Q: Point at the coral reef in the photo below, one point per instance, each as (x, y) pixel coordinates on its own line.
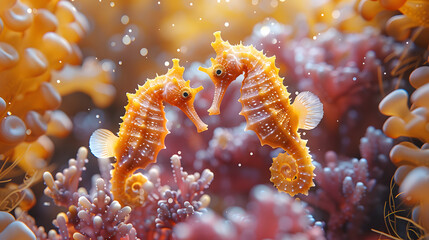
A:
(57, 62)
(235, 157)
(96, 214)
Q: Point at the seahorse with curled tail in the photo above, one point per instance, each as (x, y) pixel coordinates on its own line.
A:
(142, 132)
(268, 111)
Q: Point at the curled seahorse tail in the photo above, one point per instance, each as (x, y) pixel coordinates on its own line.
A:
(288, 177)
(128, 188)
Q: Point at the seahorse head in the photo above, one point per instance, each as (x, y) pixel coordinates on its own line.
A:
(225, 69)
(179, 93)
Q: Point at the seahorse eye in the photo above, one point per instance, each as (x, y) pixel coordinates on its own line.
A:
(219, 70)
(185, 94)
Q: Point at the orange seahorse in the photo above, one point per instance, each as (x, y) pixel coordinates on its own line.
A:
(268, 111)
(142, 132)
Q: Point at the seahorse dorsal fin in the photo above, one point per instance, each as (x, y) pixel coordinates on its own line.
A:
(309, 109)
(102, 143)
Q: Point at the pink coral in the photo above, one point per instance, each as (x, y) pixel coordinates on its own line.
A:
(269, 215)
(88, 216)
(347, 189)
(164, 207)
(98, 214)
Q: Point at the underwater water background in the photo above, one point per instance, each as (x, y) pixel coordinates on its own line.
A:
(66, 68)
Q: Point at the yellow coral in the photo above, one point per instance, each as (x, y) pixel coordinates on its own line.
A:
(33, 42)
(92, 78)
(413, 121)
(38, 40)
(415, 14)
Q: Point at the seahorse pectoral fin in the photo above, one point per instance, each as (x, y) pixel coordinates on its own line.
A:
(102, 143)
(309, 110)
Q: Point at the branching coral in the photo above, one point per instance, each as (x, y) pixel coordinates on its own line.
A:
(88, 217)
(350, 71)
(269, 215)
(64, 189)
(413, 121)
(163, 207)
(97, 215)
(348, 189)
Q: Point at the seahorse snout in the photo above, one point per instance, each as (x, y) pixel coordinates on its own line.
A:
(217, 99)
(190, 112)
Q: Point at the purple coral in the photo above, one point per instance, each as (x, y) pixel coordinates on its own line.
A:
(88, 217)
(64, 189)
(347, 190)
(99, 216)
(164, 208)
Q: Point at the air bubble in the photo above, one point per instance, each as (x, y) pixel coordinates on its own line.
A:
(126, 40)
(143, 52)
(125, 19)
